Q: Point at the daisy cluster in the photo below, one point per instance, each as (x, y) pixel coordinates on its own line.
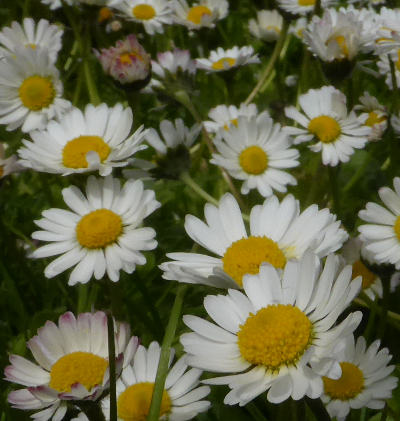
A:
(122, 123)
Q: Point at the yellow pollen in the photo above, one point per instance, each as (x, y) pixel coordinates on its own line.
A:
(341, 40)
(98, 229)
(32, 46)
(128, 58)
(253, 160)
(233, 121)
(134, 402)
(78, 367)
(37, 92)
(306, 2)
(276, 335)
(397, 227)
(104, 14)
(326, 128)
(368, 277)
(350, 384)
(143, 12)
(373, 119)
(196, 13)
(224, 63)
(74, 152)
(273, 28)
(246, 255)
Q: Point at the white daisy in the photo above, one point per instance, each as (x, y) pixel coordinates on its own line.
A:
(8, 165)
(267, 26)
(31, 35)
(97, 139)
(202, 14)
(181, 399)
(101, 232)
(365, 380)
(72, 364)
(302, 7)
(30, 90)
(172, 62)
(153, 14)
(354, 254)
(221, 60)
(297, 28)
(278, 232)
(326, 119)
(384, 67)
(255, 151)
(382, 233)
(279, 334)
(224, 116)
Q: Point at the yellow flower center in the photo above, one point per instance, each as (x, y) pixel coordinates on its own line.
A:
(397, 227)
(98, 229)
(134, 402)
(348, 386)
(32, 46)
(78, 367)
(37, 92)
(143, 12)
(341, 41)
(74, 152)
(276, 335)
(373, 118)
(128, 58)
(224, 63)
(306, 2)
(233, 121)
(368, 277)
(253, 160)
(246, 255)
(326, 128)
(104, 14)
(196, 13)
(273, 28)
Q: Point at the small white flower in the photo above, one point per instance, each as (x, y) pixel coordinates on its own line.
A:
(267, 26)
(298, 27)
(101, 233)
(172, 62)
(384, 67)
(326, 120)
(302, 7)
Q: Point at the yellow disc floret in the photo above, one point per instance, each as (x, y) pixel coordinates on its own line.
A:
(397, 227)
(224, 63)
(350, 384)
(196, 13)
(74, 152)
(374, 118)
(143, 12)
(105, 13)
(368, 277)
(326, 128)
(98, 229)
(246, 255)
(306, 2)
(253, 160)
(37, 92)
(134, 402)
(275, 336)
(78, 367)
(341, 41)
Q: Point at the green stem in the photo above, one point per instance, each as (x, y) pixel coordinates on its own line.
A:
(185, 177)
(366, 302)
(111, 362)
(91, 86)
(333, 171)
(394, 107)
(91, 409)
(154, 412)
(318, 409)
(257, 415)
(358, 174)
(271, 63)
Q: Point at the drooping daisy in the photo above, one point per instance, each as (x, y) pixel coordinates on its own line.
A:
(97, 139)
(30, 90)
(72, 364)
(278, 233)
(221, 60)
(365, 379)
(101, 234)
(279, 334)
(224, 116)
(201, 14)
(8, 165)
(181, 399)
(326, 120)
(301, 7)
(172, 62)
(255, 151)
(153, 14)
(355, 254)
(382, 233)
(31, 35)
(267, 26)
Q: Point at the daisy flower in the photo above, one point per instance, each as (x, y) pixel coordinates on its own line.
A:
(172, 62)
(221, 60)
(297, 27)
(326, 120)
(96, 139)
(278, 335)
(8, 165)
(224, 116)
(153, 14)
(365, 379)
(384, 67)
(30, 90)
(355, 254)
(202, 14)
(181, 399)
(267, 26)
(256, 151)
(100, 234)
(72, 364)
(301, 7)
(278, 233)
(29, 34)
(382, 233)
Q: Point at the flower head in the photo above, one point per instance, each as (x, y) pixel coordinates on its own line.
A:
(267, 26)
(171, 62)
(301, 7)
